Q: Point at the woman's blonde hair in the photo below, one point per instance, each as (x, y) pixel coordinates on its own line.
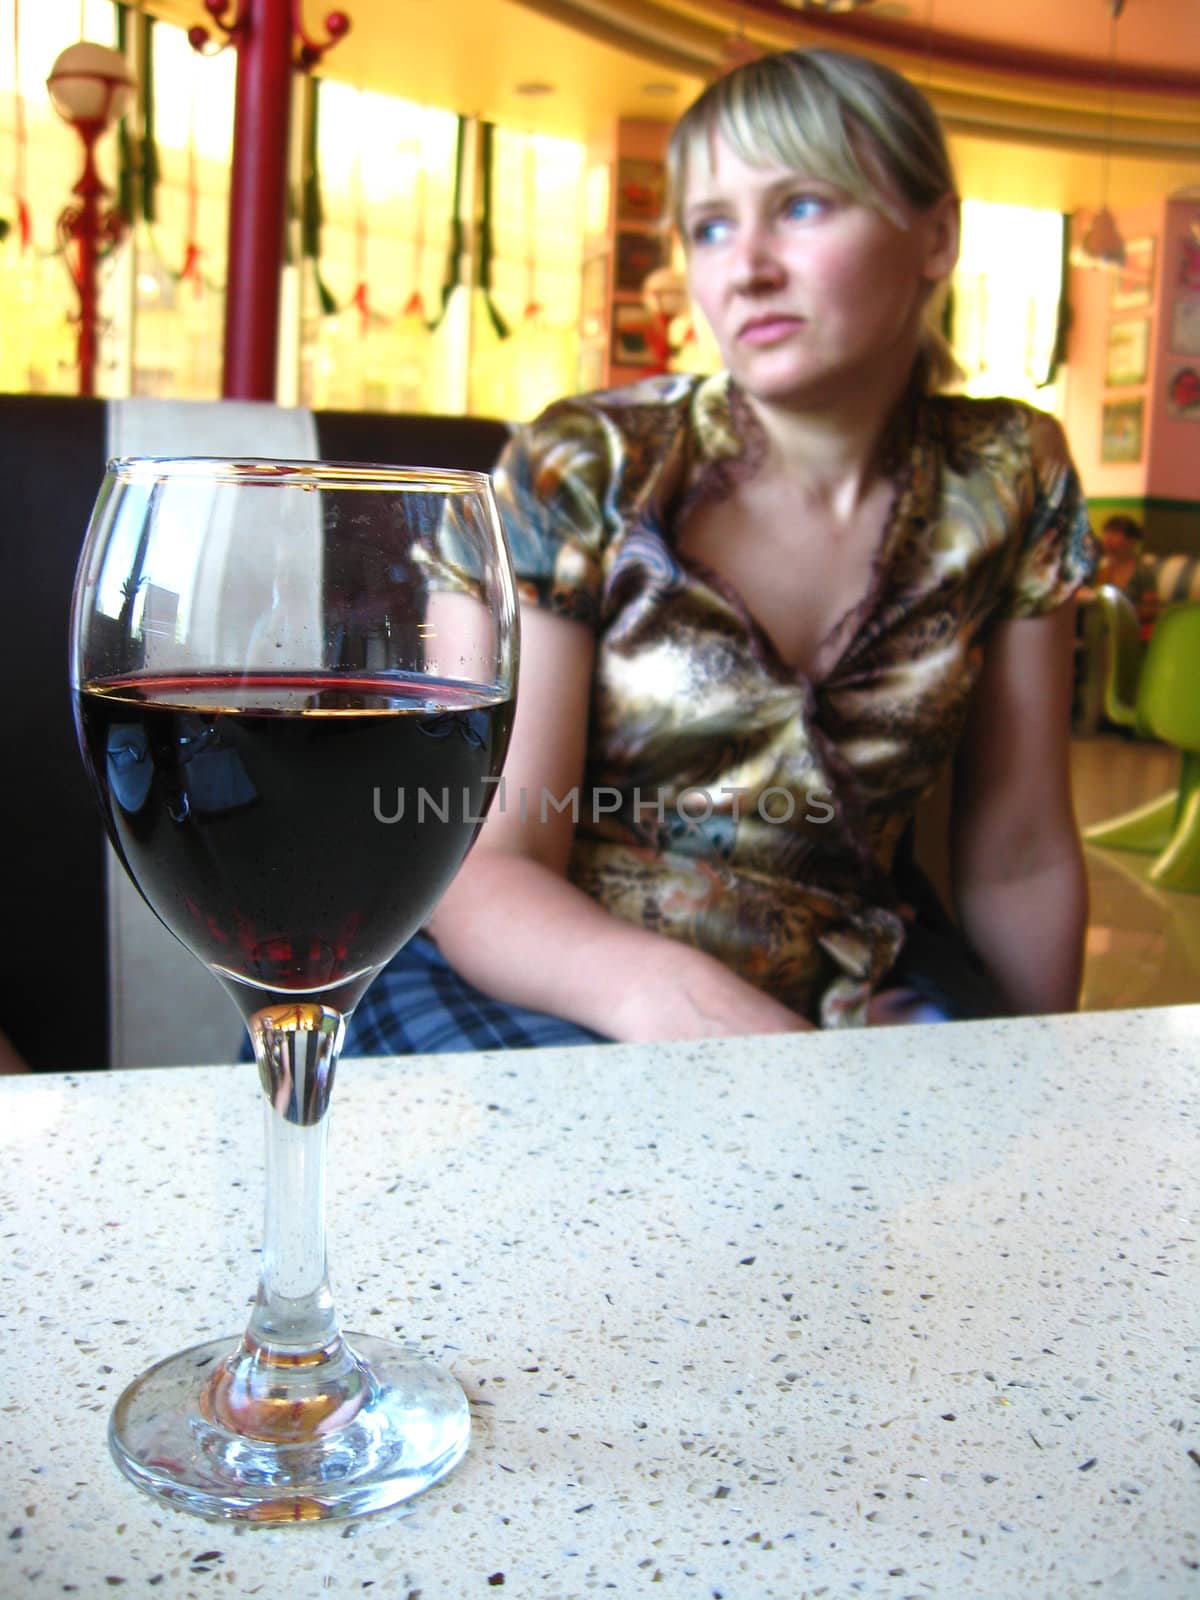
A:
(827, 114)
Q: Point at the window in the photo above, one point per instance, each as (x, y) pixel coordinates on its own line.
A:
(362, 322)
(1007, 288)
(176, 329)
(537, 236)
(387, 185)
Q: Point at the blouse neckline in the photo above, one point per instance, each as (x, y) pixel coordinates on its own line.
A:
(731, 445)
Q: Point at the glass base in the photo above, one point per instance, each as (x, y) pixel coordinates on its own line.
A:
(410, 1429)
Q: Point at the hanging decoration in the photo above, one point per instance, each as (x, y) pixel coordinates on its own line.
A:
(533, 306)
(361, 298)
(127, 164)
(190, 272)
(20, 144)
(486, 238)
(1102, 244)
(486, 250)
(1062, 319)
(149, 165)
(140, 172)
(414, 306)
(312, 217)
(312, 213)
(454, 252)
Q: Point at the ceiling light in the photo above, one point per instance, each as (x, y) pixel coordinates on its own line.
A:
(1102, 244)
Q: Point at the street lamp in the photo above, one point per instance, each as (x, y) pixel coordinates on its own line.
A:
(91, 87)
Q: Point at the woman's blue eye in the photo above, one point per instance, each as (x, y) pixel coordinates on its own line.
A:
(709, 231)
(803, 206)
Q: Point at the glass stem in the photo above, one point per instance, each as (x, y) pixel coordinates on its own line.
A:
(292, 1377)
(297, 1056)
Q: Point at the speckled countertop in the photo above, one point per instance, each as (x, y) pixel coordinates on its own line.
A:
(907, 1312)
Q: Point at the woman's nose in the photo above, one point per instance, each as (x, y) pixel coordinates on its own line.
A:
(756, 262)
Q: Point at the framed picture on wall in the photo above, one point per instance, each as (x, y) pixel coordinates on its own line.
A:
(641, 188)
(1185, 326)
(1121, 430)
(1189, 258)
(1128, 352)
(638, 254)
(1183, 394)
(1133, 283)
(632, 341)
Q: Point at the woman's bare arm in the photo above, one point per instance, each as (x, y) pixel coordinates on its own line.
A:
(1019, 878)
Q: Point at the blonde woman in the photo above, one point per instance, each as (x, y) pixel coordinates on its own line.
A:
(762, 612)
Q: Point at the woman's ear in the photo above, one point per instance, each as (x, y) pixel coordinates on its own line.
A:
(942, 231)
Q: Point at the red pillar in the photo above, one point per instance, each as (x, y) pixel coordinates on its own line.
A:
(258, 201)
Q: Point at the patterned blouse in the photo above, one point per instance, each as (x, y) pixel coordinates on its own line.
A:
(728, 801)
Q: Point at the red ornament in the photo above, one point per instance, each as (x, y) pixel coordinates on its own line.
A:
(337, 23)
(1184, 388)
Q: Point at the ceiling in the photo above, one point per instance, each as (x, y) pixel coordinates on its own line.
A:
(1033, 92)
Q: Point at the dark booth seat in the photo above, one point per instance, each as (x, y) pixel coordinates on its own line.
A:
(54, 955)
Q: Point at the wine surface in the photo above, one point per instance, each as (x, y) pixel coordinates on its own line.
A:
(293, 830)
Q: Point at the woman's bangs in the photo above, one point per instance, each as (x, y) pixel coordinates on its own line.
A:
(765, 126)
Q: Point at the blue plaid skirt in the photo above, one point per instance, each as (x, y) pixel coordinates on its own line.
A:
(418, 1005)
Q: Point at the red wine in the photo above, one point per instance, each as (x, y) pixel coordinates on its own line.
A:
(292, 830)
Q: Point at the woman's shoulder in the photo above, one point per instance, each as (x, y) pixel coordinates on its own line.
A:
(999, 433)
(664, 400)
(994, 417)
(1009, 477)
(609, 440)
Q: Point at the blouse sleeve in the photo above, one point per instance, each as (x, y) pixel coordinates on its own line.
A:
(1058, 550)
(553, 487)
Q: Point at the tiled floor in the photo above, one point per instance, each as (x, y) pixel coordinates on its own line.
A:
(1143, 946)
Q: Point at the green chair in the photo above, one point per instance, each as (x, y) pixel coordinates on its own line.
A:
(1168, 708)
(1123, 667)
(1110, 651)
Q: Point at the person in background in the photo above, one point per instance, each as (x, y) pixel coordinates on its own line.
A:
(762, 612)
(1121, 565)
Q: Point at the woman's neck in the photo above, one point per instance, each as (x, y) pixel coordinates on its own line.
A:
(837, 453)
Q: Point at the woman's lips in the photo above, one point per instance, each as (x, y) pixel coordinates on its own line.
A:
(768, 330)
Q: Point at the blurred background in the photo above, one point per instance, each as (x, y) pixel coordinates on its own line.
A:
(543, 122)
(473, 228)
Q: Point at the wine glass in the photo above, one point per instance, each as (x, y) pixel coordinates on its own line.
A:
(294, 687)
